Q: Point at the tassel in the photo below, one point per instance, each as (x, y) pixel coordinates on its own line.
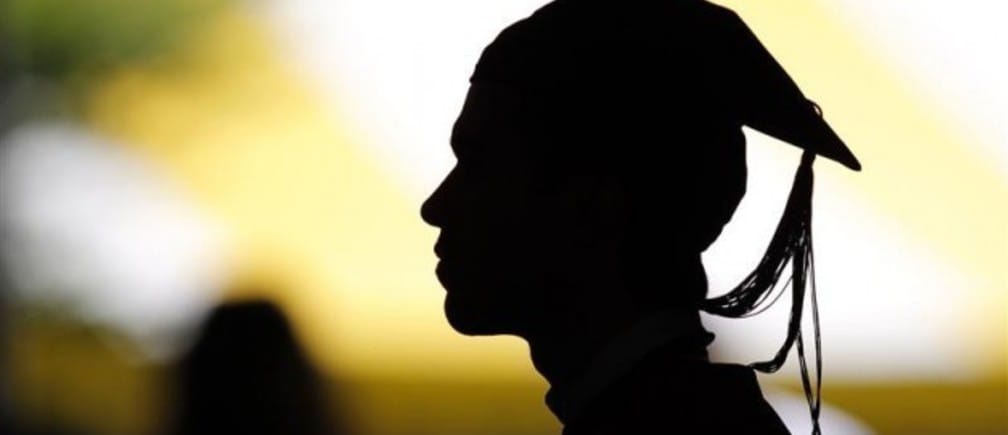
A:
(791, 243)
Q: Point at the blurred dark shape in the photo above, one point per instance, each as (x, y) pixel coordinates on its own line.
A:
(246, 374)
(15, 427)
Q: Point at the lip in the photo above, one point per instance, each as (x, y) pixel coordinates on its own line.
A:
(439, 271)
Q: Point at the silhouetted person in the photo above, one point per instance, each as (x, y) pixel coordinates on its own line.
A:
(599, 153)
(246, 374)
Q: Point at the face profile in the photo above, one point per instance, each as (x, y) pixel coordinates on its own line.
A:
(483, 210)
(510, 239)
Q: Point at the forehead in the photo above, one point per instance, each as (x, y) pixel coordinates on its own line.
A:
(497, 116)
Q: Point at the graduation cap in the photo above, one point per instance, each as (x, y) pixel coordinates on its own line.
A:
(699, 64)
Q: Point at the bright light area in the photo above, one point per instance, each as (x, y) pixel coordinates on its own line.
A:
(950, 52)
(98, 230)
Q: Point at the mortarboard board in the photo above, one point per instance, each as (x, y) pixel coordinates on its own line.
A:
(769, 100)
(695, 69)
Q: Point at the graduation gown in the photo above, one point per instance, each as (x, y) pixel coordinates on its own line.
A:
(656, 378)
(664, 395)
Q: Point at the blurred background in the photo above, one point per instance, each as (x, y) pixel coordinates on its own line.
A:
(210, 209)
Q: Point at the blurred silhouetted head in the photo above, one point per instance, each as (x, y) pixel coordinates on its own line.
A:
(246, 374)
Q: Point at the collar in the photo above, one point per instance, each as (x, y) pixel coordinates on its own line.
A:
(620, 356)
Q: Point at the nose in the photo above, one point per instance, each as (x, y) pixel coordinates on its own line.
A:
(428, 210)
(432, 209)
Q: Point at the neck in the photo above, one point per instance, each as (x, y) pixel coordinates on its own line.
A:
(577, 377)
(565, 345)
(566, 341)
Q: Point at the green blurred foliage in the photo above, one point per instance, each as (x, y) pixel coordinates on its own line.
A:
(63, 39)
(53, 51)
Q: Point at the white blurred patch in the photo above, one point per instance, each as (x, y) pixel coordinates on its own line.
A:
(89, 226)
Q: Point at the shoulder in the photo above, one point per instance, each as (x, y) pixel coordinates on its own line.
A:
(673, 396)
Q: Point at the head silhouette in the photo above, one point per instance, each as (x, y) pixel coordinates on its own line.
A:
(577, 191)
(599, 152)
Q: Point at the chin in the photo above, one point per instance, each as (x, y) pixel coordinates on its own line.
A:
(468, 319)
